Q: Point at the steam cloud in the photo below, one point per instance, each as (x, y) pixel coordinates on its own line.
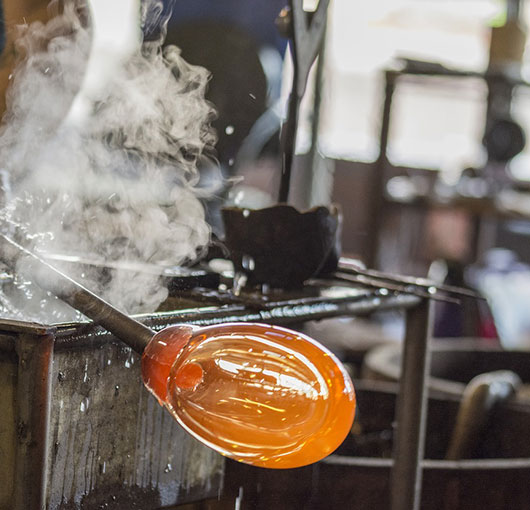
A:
(121, 186)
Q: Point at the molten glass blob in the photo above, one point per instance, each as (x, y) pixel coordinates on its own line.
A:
(259, 394)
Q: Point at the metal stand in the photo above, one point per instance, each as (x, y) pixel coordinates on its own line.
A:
(411, 411)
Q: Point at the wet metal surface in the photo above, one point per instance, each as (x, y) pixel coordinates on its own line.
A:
(107, 431)
(78, 431)
(76, 295)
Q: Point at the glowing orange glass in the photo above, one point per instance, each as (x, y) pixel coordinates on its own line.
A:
(259, 394)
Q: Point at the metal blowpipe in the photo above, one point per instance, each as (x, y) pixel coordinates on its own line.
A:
(130, 331)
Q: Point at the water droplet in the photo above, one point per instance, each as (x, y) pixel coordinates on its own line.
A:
(229, 130)
(84, 405)
(246, 213)
(248, 263)
(239, 197)
(239, 499)
(116, 390)
(240, 280)
(129, 361)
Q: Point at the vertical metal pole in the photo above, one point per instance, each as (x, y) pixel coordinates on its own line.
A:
(35, 357)
(288, 141)
(377, 177)
(411, 410)
(318, 185)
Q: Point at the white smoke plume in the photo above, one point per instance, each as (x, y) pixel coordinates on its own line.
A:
(119, 186)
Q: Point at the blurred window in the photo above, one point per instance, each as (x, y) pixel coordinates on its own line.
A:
(434, 122)
(520, 165)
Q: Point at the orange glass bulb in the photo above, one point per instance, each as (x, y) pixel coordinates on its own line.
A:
(259, 394)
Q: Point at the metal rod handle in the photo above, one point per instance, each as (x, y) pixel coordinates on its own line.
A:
(481, 396)
(130, 331)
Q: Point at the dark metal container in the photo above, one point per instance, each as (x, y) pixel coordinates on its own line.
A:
(359, 476)
(280, 245)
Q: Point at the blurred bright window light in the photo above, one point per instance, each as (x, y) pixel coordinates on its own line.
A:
(115, 36)
(310, 5)
(435, 122)
(520, 165)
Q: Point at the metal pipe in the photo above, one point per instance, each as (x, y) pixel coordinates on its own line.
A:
(396, 287)
(130, 331)
(288, 144)
(350, 266)
(481, 396)
(411, 411)
(318, 187)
